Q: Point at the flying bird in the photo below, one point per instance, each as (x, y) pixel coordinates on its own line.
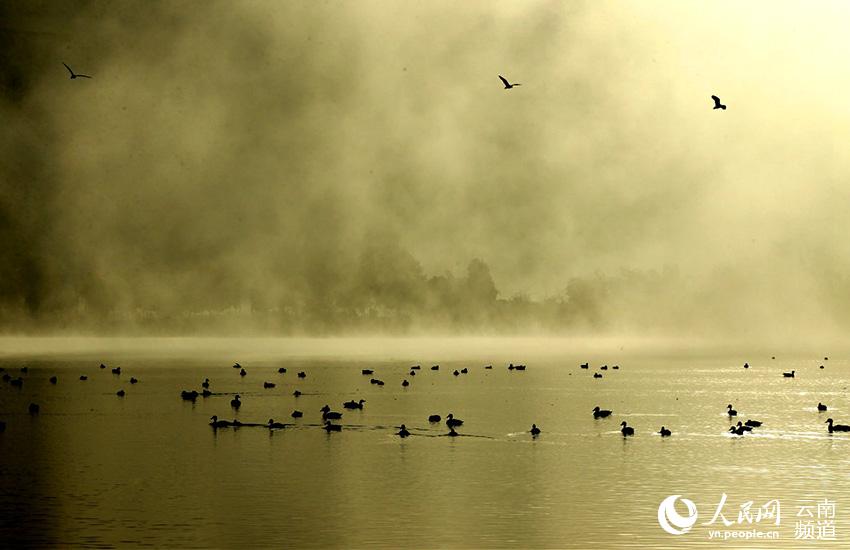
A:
(508, 85)
(73, 74)
(717, 104)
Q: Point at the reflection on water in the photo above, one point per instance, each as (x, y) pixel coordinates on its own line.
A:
(95, 469)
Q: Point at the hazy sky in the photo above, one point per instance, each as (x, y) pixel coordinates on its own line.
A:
(221, 144)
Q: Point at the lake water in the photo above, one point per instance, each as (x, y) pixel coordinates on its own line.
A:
(94, 469)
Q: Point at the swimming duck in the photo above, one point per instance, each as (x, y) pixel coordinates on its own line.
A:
(534, 430)
(456, 373)
(837, 427)
(412, 373)
(120, 393)
(268, 385)
(584, 366)
(354, 404)
(102, 366)
(730, 411)
(451, 421)
(235, 403)
(752, 423)
(488, 367)
(403, 431)
(367, 371)
(302, 374)
(189, 395)
(327, 413)
(744, 427)
(216, 423)
(603, 367)
(821, 407)
(626, 430)
(134, 380)
(789, 374)
(296, 393)
(405, 383)
(464, 370)
(297, 414)
(83, 377)
(597, 413)
(416, 367)
(665, 432)
(434, 418)
(435, 367)
(242, 372)
(275, 425)
(237, 366)
(281, 370)
(205, 383)
(116, 370)
(597, 375)
(737, 430)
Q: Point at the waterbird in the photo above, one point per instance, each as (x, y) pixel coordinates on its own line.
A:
(25, 369)
(464, 370)
(297, 414)
(190, 395)
(519, 367)
(665, 432)
(367, 371)
(272, 424)
(451, 421)
(746, 365)
(242, 372)
(296, 393)
(488, 366)
(456, 373)
(837, 427)
(626, 429)
(302, 374)
(83, 377)
(216, 423)
(73, 74)
(412, 373)
(434, 418)
(53, 379)
(507, 84)
(717, 104)
(237, 366)
(328, 413)
(753, 423)
(603, 367)
(268, 385)
(584, 366)
(134, 380)
(120, 393)
(534, 430)
(435, 367)
(789, 374)
(354, 404)
(405, 383)
(332, 427)
(206, 383)
(33, 408)
(403, 431)
(821, 407)
(744, 427)
(730, 411)
(616, 367)
(116, 370)
(102, 366)
(235, 402)
(821, 366)
(206, 393)
(416, 367)
(281, 370)
(597, 375)
(737, 430)
(600, 413)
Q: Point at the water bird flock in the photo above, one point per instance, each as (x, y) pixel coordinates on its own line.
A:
(451, 422)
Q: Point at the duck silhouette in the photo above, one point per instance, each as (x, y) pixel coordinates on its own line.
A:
(205, 383)
(275, 425)
(730, 411)
(737, 430)
(281, 370)
(120, 393)
(434, 418)
(216, 423)
(789, 374)
(837, 427)
(743, 427)
(753, 423)
(600, 413)
(821, 407)
(403, 431)
(354, 404)
(534, 430)
(268, 385)
(451, 421)
(665, 432)
(297, 414)
(626, 429)
(235, 402)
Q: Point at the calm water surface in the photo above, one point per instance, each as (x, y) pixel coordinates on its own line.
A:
(93, 469)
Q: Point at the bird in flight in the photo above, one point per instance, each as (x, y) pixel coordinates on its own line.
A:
(73, 74)
(508, 85)
(717, 104)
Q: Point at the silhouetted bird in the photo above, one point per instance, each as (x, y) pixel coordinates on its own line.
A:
(746, 365)
(412, 373)
(281, 370)
(53, 379)
(216, 423)
(272, 424)
(328, 413)
(354, 404)
(753, 423)
(837, 427)
(789, 374)
(73, 74)
(597, 375)
(744, 427)
(189, 395)
(717, 104)
(405, 383)
(134, 380)
(665, 432)
(367, 371)
(626, 430)
(235, 402)
(102, 366)
(302, 374)
(730, 411)
(821, 407)
(83, 377)
(206, 383)
(488, 366)
(116, 370)
(737, 430)
(597, 413)
(456, 373)
(603, 367)
(403, 431)
(416, 367)
(237, 366)
(584, 366)
(451, 421)
(296, 393)
(434, 418)
(120, 393)
(268, 385)
(297, 414)
(507, 84)
(242, 372)
(534, 430)
(435, 367)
